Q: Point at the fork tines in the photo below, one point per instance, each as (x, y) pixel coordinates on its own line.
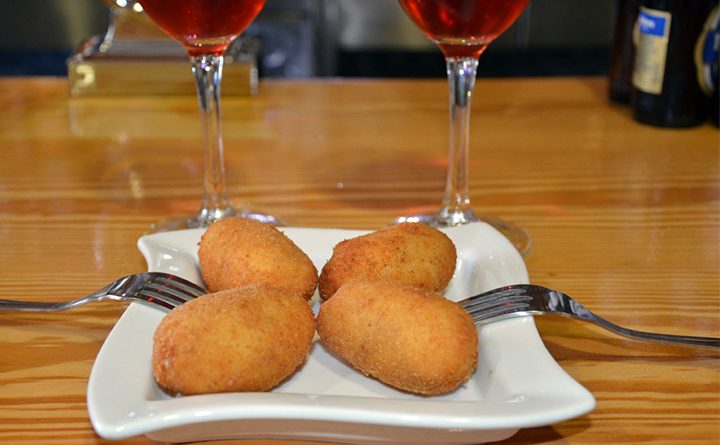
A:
(496, 303)
(169, 291)
(176, 283)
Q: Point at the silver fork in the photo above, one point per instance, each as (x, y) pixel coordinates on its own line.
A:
(527, 299)
(157, 289)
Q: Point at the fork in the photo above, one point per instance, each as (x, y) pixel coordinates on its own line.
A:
(527, 299)
(156, 289)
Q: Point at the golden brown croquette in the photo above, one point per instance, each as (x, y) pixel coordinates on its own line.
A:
(415, 340)
(244, 339)
(409, 253)
(236, 252)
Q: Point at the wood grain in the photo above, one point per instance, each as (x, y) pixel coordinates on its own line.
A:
(624, 217)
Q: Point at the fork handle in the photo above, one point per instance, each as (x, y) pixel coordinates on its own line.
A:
(40, 306)
(704, 342)
(28, 306)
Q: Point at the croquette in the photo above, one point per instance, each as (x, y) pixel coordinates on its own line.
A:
(236, 252)
(409, 253)
(412, 339)
(245, 339)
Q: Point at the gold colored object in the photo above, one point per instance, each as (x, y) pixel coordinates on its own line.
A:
(135, 57)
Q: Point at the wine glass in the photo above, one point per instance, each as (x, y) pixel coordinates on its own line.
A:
(206, 28)
(463, 29)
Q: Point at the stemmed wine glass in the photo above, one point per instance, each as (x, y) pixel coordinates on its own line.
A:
(206, 28)
(463, 29)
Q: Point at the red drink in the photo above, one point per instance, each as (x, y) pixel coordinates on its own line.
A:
(463, 28)
(203, 26)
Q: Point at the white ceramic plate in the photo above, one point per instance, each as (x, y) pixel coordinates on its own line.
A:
(517, 383)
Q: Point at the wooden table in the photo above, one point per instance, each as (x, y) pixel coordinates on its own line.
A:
(625, 217)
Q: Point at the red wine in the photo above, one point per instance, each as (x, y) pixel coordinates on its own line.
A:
(463, 28)
(203, 26)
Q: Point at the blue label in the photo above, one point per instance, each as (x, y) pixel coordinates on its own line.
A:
(653, 24)
(710, 47)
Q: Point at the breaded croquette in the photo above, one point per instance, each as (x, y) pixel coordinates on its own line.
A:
(412, 339)
(409, 253)
(236, 252)
(244, 339)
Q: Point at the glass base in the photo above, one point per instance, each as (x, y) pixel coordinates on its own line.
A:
(518, 236)
(201, 220)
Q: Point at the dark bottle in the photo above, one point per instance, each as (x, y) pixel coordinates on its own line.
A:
(666, 91)
(623, 52)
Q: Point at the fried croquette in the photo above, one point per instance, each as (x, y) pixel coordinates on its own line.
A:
(409, 253)
(413, 339)
(236, 252)
(244, 339)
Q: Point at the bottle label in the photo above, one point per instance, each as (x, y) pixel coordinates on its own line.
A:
(707, 53)
(651, 53)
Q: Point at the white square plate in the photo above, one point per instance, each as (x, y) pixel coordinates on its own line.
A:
(517, 383)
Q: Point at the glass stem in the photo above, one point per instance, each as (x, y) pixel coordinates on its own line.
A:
(456, 209)
(208, 75)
